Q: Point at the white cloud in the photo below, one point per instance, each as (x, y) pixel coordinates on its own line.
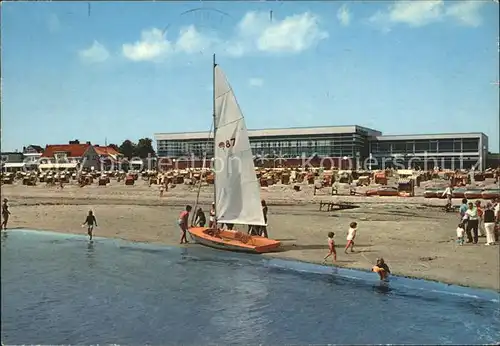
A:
(94, 54)
(293, 34)
(153, 45)
(255, 82)
(466, 12)
(344, 16)
(421, 13)
(192, 41)
(254, 33)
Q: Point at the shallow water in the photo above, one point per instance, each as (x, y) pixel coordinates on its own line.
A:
(59, 289)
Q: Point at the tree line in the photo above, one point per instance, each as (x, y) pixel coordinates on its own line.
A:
(143, 148)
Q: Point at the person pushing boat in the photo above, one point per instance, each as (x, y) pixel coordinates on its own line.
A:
(200, 219)
(183, 223)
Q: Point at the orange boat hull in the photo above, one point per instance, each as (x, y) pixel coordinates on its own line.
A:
(387, 193)
(490, 194)
(233, 240)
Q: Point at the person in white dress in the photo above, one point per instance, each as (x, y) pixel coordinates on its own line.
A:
(460, 234)
(351, 235)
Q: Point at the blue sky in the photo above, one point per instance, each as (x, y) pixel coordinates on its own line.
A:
(130, 69)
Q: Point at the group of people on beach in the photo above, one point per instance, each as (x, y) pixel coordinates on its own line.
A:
(200, 220)
(381, 268)
(477, 222)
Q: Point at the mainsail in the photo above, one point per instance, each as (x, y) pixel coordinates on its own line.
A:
(237, 190)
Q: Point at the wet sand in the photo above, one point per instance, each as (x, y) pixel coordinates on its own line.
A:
(416, 239)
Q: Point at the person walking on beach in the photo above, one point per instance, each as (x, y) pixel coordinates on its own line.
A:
(449, 194)
(183, 223)
(489, 224)
(351, 235)
(90, 222)
(472, 224)
(331, 248)
(5, 214)
(200, 219)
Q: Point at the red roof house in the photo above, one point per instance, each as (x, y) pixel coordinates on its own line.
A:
(68, 151)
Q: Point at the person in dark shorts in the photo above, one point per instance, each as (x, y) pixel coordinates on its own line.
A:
(200, 219)
(5, 214)
(90, 222)
(263, 229)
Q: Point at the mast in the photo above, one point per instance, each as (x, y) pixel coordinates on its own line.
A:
(215, 131)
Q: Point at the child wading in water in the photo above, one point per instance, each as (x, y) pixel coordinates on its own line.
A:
(331, 247)
(382, 269)
(460, 234)
(351, 235)
(5, 214)
(90, 222)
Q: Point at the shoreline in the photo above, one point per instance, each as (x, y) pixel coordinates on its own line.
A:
(267, 256)
(416, 238)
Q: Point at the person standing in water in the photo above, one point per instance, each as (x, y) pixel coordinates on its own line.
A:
(183, 223)
(90, 222)
(5, 214)
(382, 269)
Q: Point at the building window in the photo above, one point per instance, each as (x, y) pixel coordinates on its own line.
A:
(470, 145)
(433, 146)
(422, 146)
(446, 146)
(409, 147)
(398, 147)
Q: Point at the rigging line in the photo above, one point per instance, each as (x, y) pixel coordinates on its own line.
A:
(203, 168)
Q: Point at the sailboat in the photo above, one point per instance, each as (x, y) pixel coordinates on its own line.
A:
(236, 188)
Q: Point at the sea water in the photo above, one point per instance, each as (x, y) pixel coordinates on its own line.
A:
(61, 289)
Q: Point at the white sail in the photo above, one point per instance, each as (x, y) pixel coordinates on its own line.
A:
(236, 186)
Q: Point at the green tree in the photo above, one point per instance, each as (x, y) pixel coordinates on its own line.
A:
(144, 148)
(127, 148)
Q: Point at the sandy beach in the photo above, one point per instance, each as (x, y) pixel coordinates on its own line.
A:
(416, 238)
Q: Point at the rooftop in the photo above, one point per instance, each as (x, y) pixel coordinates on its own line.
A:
(291, 131)
(73, 150)
(430, 136)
